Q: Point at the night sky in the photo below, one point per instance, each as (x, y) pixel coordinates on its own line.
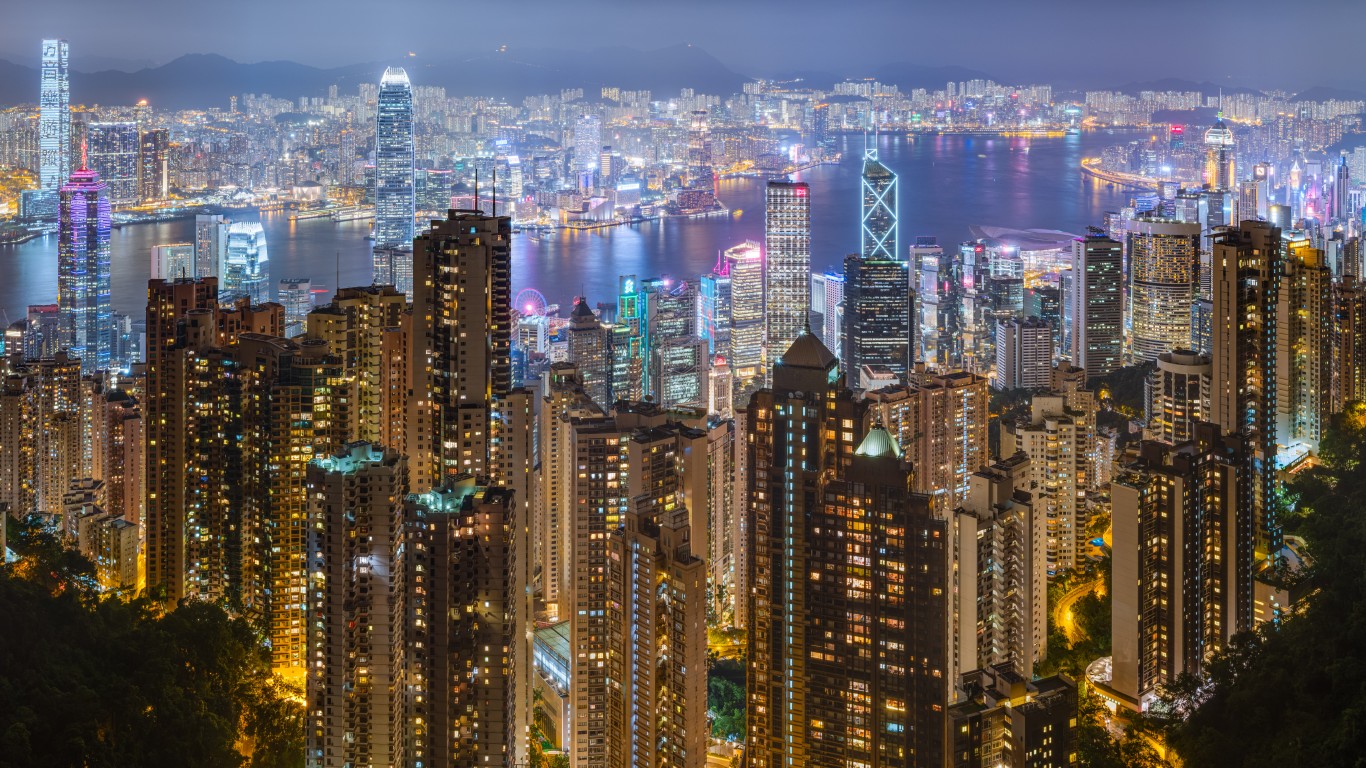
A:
(1290, 44)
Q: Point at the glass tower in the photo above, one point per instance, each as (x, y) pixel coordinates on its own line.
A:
(245, 270)
(112, 151)
(85, 315)
(878, 209)
(54, 117)
(395, 204)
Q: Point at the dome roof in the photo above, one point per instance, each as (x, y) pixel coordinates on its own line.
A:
(807, 352)
(878, 443)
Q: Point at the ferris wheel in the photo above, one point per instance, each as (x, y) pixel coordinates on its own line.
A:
(529, 302)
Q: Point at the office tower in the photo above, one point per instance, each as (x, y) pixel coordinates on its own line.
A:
(118, 451)
(1164, 266)
(831, 298)
(369, 327)
(940, 422)
(1219, 156)
(878, 210)
(395, 204)
(169, 305)
(393, 266)
(462, 325)
(745, 264)
(847, 654)
(1009, 720)
(1244, 339)
(714, 308)
(679, 361)
(85, 315)
(1342, 182)
(933, 310)
(1024, 354)
(1349, 343)
(112, 151)
(1059, 438)
(296, 296)
(54, 118)
(1250, 202)
(877, 316)
(173, 261)
(245, 268)
(587, 143)
(1182, 565)
(1202, 324)
(1304, 355)
(154, 173)
(210, 244)
(42, 331)
(787, 247)
(657, 626)
(1178, 396)
(1096, 300)
(998, 541)
(358, 568)
(590, 350)
(468, 649)
(699, 151)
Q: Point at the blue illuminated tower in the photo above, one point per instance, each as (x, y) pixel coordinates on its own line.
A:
(877, 210)
(85, 318)
(395, 204)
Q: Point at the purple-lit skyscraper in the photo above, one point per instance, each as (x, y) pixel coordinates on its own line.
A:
(84, 314)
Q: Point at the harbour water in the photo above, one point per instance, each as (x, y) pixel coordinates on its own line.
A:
(947, 183)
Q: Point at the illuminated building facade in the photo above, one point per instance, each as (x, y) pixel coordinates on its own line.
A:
(395, 201)
(85, 315)
(1219, 157)
(1024, 354)
(1304, 326)
(877, 316)
(1164, 264)
(1059, 440)
(1096, 299)
(173, 261)
(54, 118)
(210, 245)
(1009, 720)
(154, 173)
(590, 350)
(1349, 343)
(714, 309)
(745, 264)
(1182, 563)
(296, 296)
(787, 248)
(245, 268)
(878, 210)
(1178, 396)
(113, 151)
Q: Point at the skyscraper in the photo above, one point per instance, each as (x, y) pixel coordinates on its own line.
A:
(173, 261)
(787, 248)
(1178, 396)
(1096, 300)
(245, 268)
(1304, 360)
(54, 120)
(1164, 265)
(85, 315)
(395, 203)
(1244, 339)
(878, 209)
(877, 316)
(153, 165)
(1024, 354)
(296, 295)
(112, 151)
(745, 264)
(210, 244)
(1219, 156)
(587, 145)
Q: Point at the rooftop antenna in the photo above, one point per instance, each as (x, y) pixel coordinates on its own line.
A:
(476, 189)
(494, 195)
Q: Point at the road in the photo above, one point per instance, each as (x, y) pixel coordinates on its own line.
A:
(1062, 612)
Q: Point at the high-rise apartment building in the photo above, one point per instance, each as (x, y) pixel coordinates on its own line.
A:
(787, 249)
(1096, 299)
(54, 118)
(1178, 396)
(1349, 343)
(1009, 720)
(113, 151)
(1304, 358)
(1024, 354)
(1182, 564)
(877, 315)
(1164, 266)
(1059, 440)
(245, 267)
(85, 314)
(395, 203)
(1248, 266)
